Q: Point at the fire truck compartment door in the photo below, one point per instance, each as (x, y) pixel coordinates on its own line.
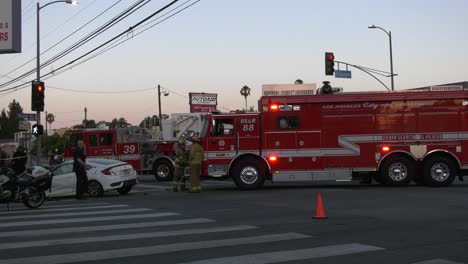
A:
(332, 175)
(315, 176)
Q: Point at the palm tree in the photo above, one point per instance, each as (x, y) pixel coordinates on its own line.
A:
(245, 91)
(50, 118)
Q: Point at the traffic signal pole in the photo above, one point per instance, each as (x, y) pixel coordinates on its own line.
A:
(38, 77)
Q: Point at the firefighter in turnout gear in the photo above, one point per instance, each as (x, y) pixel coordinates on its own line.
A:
(181, 162)
(195, 161)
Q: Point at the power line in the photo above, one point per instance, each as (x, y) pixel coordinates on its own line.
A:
(60, 41)
(118, 36)
(84, 40)
(133, 35)
(102, 92)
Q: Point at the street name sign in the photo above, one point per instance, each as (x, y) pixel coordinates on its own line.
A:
(343, 74)
(27, 116)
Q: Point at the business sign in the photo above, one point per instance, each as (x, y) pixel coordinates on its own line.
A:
(10, 26)
(24, 125)
(203, 102)
(343, 74)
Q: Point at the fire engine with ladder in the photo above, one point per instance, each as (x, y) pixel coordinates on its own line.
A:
(304, 134)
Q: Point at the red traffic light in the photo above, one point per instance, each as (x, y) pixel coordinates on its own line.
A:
(40, 88)
(331, 57)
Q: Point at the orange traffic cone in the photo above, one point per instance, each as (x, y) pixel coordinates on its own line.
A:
(319, 210)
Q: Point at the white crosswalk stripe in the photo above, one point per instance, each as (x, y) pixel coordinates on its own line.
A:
(77, 214)
(68, 230)
(88, 219)
(65, 241)
(437, 261)
(21, 208)
(301, 254)
(47, 210)
(141, 251)
(146, 232)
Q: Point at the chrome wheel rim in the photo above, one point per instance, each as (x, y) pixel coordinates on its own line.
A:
(36, 199)
(249, 175)
(94, 189)
(440, 172)
(398, 171)
(163, 171)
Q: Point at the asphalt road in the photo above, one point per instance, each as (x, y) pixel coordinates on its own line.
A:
(366, 224)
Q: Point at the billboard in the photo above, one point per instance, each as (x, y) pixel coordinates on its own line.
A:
(203, 102)
(10, 26)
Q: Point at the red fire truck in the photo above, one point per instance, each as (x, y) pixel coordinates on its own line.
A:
(393, 137)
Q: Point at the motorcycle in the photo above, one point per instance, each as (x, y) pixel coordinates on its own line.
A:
(23, 188)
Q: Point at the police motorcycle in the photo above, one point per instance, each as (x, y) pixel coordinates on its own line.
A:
(23, 187)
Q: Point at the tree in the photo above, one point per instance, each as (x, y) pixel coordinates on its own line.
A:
(86, 124)
(8, 120)
(245, 91)
(149, 122)
(50, 118)
(54, 142)
(102, 124)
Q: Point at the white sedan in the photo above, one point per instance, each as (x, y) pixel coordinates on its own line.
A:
(104, 175)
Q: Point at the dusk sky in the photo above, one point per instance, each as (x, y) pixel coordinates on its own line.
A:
(218, 46)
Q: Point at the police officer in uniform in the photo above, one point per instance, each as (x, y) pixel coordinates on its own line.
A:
(180, 165)
(80, 167)
(195, 161)
(19, 161)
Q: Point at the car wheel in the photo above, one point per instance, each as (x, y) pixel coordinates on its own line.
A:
(35, 199)
(439, 171)
(248, 174)
(163, 170)
(95, 189)
(124, 190)
(397, 171)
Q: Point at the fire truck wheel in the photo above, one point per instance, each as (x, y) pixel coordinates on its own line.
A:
(439, 171)
(248, 174)
(95, 189)
(397, 171)
(163, 170)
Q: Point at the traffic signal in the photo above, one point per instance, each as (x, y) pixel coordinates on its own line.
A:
(37, 96)
(37, 130)
(329, 63)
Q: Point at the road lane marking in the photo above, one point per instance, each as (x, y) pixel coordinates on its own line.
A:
(88, 219)
(75, 214)
(438, 261)
(46, 210)
(38, 232)
(46, 206)
(291, 255)
(67, 241)
(150, 250)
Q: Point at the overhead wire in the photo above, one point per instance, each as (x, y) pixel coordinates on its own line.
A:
(63, 39)
(118, 36)
(133, 35)
(84, 40)
(60, 41)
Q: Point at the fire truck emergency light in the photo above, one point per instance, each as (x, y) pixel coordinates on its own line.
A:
(272, 158)
(385, 149)
(274, 107)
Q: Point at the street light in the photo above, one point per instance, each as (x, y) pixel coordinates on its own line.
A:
(159, 103)
(389, 33)
(38, 66)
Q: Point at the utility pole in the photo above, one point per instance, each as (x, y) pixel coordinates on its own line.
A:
(85, 115)
(160, 117)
